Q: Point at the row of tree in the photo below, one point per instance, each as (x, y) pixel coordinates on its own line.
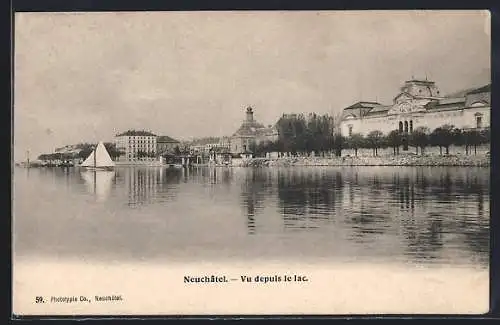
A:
(83, 150)
(421, 138)
(305, 133)
(313, 136)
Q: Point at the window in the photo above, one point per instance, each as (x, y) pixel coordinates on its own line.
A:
(479, 121)
(244, 147)
(411, 126)
(406, 126)
(350, 129)
(400, 127)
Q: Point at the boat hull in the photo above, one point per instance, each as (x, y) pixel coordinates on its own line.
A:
(104, 168)
(174, 166)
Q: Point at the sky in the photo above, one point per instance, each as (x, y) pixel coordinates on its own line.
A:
(84, 77)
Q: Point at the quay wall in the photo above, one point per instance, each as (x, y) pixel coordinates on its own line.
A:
(139, 163)
(401, 160)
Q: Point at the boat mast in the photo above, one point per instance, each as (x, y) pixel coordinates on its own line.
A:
(95, 170)
(28, 158)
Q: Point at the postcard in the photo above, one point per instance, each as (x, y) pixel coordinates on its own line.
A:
(251, 162)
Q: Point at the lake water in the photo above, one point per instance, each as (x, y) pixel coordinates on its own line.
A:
(421, 215)
(368, 239)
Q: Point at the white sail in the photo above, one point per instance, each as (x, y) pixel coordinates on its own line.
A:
(99, 158)
(89, 161)
(102, 156)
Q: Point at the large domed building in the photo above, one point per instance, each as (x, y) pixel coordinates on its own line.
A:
(420, 103)
(251, 133)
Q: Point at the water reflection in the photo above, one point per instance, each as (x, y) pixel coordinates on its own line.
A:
(418, 215)
(416, 205)
(305, 196)
(255, 188)
(98, 183)
(146, 185)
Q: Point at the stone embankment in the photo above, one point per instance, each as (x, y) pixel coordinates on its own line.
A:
(402, 160)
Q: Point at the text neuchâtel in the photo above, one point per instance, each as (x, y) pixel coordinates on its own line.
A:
(205, 279)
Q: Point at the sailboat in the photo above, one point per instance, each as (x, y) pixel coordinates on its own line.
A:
(99, 159)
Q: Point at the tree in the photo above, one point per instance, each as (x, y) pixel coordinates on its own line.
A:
(112, 150)
(85, 149)
(291, 130)
(300, 134)
(252, 147)
(356, 141)
(485, 135)
(338, 144)
(443, 137)
(458, 138)
(43, 156)
(394, 141)
(472, 138)
(375, 139)
(260, 149)
(420, 138)
(184, 148)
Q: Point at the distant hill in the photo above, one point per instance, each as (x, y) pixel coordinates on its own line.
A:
(464, 92)
(205, 140)
(479, 79)
(461, 93)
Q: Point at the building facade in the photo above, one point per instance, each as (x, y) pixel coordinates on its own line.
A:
(223, 144)
(419, 103)
(136, 145)
(251, 133)
(166, 144)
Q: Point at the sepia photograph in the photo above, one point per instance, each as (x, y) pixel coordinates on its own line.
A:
(251, 163)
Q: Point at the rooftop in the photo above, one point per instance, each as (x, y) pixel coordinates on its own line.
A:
(167, 139)
(420, 81)
(136, 133)
(451, 100)
(363, 105)
(380, 108)
(250, 129)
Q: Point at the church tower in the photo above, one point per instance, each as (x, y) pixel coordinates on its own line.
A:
(249, 115)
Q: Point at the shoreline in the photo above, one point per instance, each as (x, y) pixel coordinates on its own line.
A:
(407, 160)
(395, 161)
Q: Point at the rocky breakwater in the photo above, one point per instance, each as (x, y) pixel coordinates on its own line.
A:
(401, 160)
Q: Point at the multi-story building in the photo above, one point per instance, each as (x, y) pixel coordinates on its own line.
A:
(420, 103)
(251, 133)
(222, 144)
(136, 145)
(166, 144)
